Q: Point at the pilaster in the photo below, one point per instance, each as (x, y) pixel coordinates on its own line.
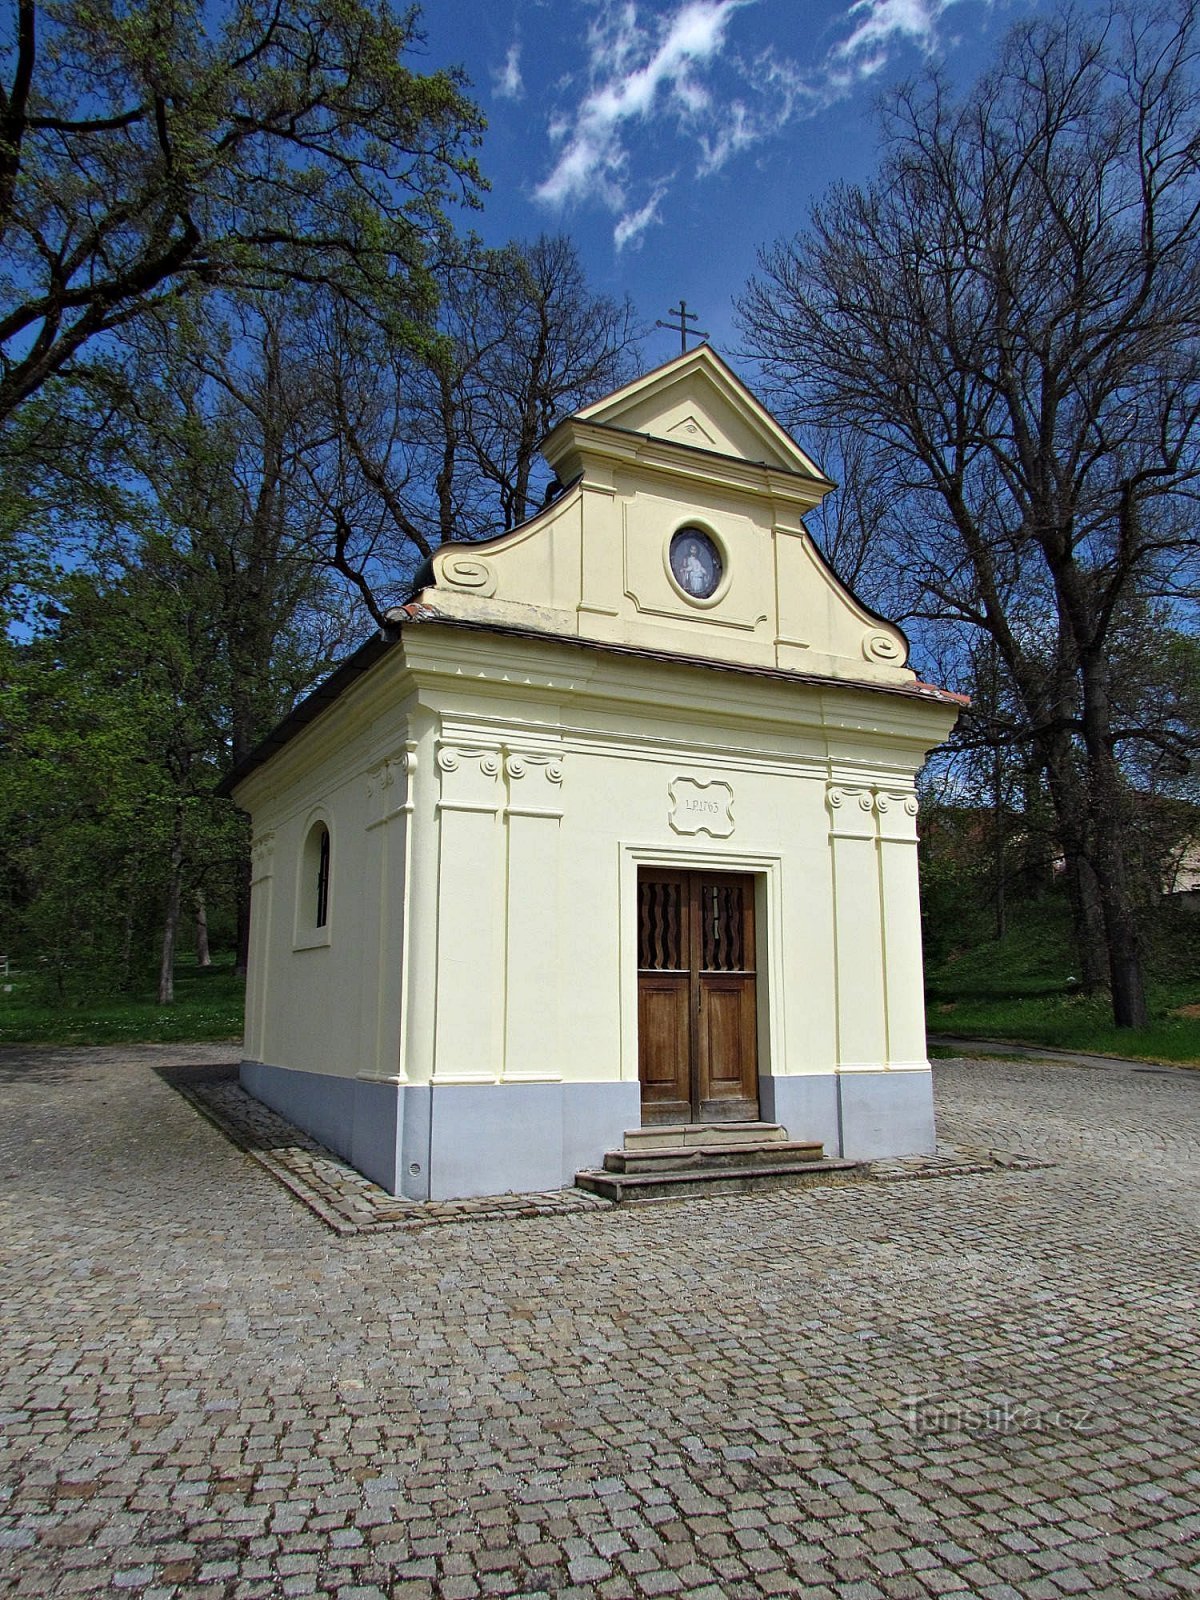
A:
(384, 908)
(533, 818)
(900, 898)
(470, 914)
(262, 898)
(858, 931)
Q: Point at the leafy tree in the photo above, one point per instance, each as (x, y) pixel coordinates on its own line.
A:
(1010, 313)
(107, 720)
(153, 150)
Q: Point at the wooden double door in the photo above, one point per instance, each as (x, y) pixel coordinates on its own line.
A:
(697, 996)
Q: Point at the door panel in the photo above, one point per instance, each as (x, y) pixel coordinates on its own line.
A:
(727, 1046)
(728, 1069)
(697, 1004)
(663, 1047)
(664, 996)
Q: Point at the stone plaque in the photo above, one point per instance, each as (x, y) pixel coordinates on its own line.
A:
(701, 807)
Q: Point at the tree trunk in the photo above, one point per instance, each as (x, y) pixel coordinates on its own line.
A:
(1087, 917)
(203, 958)
(998, 841)
(1071, 820)
(166, 971)
(126, 966)
(241, 889)
(1108, 850)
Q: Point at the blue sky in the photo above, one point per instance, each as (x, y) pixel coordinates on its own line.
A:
(673, 138)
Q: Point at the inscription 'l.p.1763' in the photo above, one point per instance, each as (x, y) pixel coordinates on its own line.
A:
(701, 807)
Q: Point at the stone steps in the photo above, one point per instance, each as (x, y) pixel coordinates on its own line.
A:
(674, 1161)
(667, 1134)
(693, 1181)
(702, 1157)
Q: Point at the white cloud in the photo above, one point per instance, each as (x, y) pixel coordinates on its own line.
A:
(878, 23)
(633, 224)
(507, 79)
(634, 75)
(644, 74)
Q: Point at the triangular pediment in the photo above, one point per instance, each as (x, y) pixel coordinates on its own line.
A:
(697, 400)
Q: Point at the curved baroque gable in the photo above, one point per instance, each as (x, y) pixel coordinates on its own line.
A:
(684, 450)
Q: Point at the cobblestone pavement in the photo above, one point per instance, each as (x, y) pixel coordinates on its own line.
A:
(982, 1386)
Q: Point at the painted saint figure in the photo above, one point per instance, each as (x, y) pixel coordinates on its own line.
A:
(696, 565)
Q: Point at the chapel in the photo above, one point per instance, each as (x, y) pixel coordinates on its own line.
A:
(611, 830)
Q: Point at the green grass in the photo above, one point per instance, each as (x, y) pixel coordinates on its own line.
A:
(1022, 988)
(208, 1005)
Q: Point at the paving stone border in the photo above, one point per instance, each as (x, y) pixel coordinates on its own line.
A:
(343, 1199)
(350, 1204)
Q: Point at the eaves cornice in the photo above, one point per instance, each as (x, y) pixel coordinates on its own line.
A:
(580, 445)
(430, 654)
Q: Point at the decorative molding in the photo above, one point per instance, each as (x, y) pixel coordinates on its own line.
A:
(383, 774)
(887, 800)
(262, 856)
(522, 768)
(391, 780)
(518, 763)
(451, 757)
(838, 795)
(487, 808)
(897, 810)
(698, 807)
(883, 647)
(687, 604)
(689, 431)
(469, 572)
(470, 775)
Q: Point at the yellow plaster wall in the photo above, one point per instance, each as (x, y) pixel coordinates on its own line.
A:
(550, 800)
(490, 800)
(490, 796)
(329, 1000)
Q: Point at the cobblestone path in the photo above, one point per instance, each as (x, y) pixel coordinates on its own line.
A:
(984, 1385)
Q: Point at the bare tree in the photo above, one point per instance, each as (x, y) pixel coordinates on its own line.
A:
(537, 343)
(436, 438)
(1011, 311)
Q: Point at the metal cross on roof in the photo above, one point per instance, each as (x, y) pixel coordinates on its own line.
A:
(681, 327)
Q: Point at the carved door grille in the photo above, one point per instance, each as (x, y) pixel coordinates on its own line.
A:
(722, 927)
(660, 933)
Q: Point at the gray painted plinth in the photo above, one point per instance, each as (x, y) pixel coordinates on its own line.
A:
(451, 1141)
(886, 1114)
(864, 1116)
(807, 1106)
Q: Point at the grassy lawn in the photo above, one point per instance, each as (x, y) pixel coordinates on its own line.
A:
(1022, 988)
(208, 1005)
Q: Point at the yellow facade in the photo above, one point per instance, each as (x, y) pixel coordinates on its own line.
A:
(552, 710)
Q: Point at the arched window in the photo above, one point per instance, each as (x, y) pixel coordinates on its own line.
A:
(314, 882)
(322, 876)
